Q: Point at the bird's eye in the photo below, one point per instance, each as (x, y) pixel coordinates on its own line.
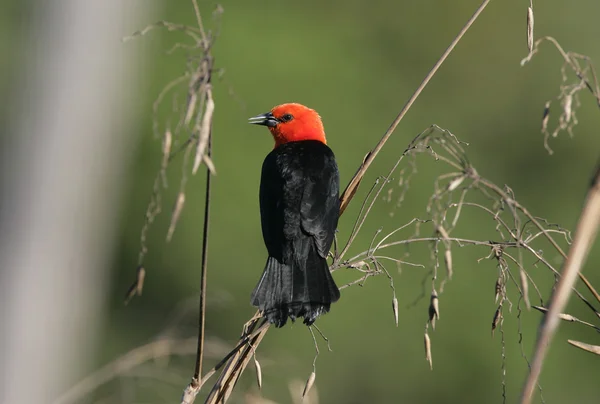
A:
(287, 118)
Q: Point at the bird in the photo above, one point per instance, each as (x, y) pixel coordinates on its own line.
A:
(299, 209)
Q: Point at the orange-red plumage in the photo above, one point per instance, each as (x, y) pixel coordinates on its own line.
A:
(306, 124)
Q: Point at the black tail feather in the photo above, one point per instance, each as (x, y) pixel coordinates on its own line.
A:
(303, 288)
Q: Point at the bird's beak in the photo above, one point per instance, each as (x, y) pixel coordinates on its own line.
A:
(266, 119)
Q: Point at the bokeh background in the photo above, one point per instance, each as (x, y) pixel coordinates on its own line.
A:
(355, 62)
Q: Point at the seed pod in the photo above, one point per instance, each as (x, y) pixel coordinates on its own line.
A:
(455, 183)
(448, 262)
(546, 117)
(498, 288)
(595, 349)
(530, 29)
(428, 356)
(209, 164)
(167, 142)
(141, 275)
(175, 215)
(567, 317)
(309, 384)
(258, 373)
(568, 107)
(395, 308)
(191, 107)
(497, 318)
(434, 308)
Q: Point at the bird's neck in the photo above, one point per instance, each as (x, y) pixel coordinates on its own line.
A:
(298, 136)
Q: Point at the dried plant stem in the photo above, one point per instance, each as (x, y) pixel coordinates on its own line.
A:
(238, 362)
(585, 235)
(353, 185)
(202, 318)
(193, 388)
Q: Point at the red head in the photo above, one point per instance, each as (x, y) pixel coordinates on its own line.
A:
(291, 123)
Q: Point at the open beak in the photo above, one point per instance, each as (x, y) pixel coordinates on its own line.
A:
(266, 119)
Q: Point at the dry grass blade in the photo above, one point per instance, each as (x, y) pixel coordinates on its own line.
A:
(595, 349)
(585, 235)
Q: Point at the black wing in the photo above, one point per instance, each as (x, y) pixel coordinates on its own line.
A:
(320, 205)
(271, 206)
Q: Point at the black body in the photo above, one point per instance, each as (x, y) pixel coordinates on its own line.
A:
(299, 207)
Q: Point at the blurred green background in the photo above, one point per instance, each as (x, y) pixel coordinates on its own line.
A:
(356, 63)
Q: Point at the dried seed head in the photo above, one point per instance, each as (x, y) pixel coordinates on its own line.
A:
(455, 183)
(530, 29)
(562, 316)
(395, 308)
(175, 215)
(258, 373)
(309, 384)
(428, 356)
(497, 318)
(448, 262)
(568, 107)
(567, 317)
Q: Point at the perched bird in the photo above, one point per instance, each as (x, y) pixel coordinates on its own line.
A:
(299, 209)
